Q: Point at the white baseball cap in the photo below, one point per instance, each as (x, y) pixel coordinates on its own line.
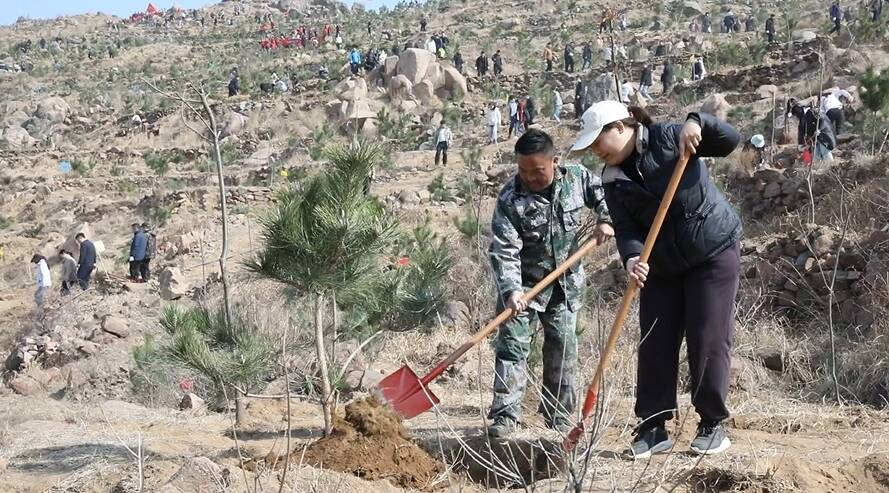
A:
(595, 118)
(758, 141)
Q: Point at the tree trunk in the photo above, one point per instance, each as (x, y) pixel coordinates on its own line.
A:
(240, 410)
(334, 328)
(322, 363)
(220, 178)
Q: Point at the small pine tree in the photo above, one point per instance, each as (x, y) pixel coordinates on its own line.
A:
(328, 237)
(233, 355)
(875, 97)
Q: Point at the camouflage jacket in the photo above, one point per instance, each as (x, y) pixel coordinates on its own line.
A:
(532, 235)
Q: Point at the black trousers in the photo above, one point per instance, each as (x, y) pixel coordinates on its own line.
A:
(771, 36)
(836, 25)
(549, 65)
(144, 269)
(569, 65)
(441, 151)
(700, 306)
(837, 118)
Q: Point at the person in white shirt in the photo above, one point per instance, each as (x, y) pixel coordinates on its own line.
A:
(430, 45)
(626, 91)
(832, 107)
(557, 106)
(44, 281)
(513, 116)
(442, 142)
(494, 123)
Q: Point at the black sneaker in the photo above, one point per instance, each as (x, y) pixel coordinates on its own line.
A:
(711, 439)
(502, 426)
(560, 423)
(650, 439)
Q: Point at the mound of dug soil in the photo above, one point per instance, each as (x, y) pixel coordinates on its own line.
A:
(371, 443)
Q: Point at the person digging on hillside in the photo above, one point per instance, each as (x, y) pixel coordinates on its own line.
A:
(698, 71)
(458, 61)
(442, 143)
(423, 23)
(234, 86)
(521, 116)
(814, 132)
(569, 58)
(498, 63)
(705, 23)
(69, 272)
(587, 55)
(530, 111)
(645, 82)
(86, 261)
(481, 64)
(690, 286)
(494, 122)
(876, 8)
(836, 16)
(668, 76)
(549, 57)
(832, 108)
(513, 117)
(138, 250)
(44, 281)
(770, 28)
(150, 252)
(750, 24)
(354, 60)
(557, 106)
(534, 228)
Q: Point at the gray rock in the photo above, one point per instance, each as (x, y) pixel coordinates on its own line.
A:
(116, 326)
(172, 285)
(191, 402)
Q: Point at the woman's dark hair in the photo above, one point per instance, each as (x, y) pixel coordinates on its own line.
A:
(37, 258)
(638, 116)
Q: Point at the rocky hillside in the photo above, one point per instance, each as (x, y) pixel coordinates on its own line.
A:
(102, 126)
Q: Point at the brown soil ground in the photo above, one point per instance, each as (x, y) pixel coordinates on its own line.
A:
(371, 443)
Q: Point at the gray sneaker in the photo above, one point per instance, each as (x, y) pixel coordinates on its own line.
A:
(711, 439)
(502, 426)
(650, 439)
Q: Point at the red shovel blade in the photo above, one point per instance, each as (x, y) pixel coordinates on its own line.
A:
(405, 393)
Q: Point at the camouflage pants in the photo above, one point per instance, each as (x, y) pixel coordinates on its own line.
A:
(512, 347)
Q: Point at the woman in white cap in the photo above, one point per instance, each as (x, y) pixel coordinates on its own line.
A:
(695, 265)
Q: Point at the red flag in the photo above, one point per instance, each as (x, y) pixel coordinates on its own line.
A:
(151, 9)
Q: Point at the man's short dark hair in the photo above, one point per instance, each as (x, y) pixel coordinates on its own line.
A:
(534, 141)
(79, 236)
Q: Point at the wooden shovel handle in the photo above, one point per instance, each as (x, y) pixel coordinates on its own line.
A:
(509, 312)
(592, 393)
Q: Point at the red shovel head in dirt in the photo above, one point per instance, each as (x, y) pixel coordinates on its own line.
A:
(406, 393)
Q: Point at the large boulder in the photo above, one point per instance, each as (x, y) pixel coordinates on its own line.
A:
(435, 75)
(70, 242)
(424, 91)
(15, 138)
(359, 110)
(454, 81)
(53, 109)
(716, 105)
(172, 285)
(413, 63)
(602, 88)
(400, 88)
(17, 118)
(351, 89)
(390, 66)
(236, 124)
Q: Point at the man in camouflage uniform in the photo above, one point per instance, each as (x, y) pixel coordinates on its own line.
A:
(535, 228)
